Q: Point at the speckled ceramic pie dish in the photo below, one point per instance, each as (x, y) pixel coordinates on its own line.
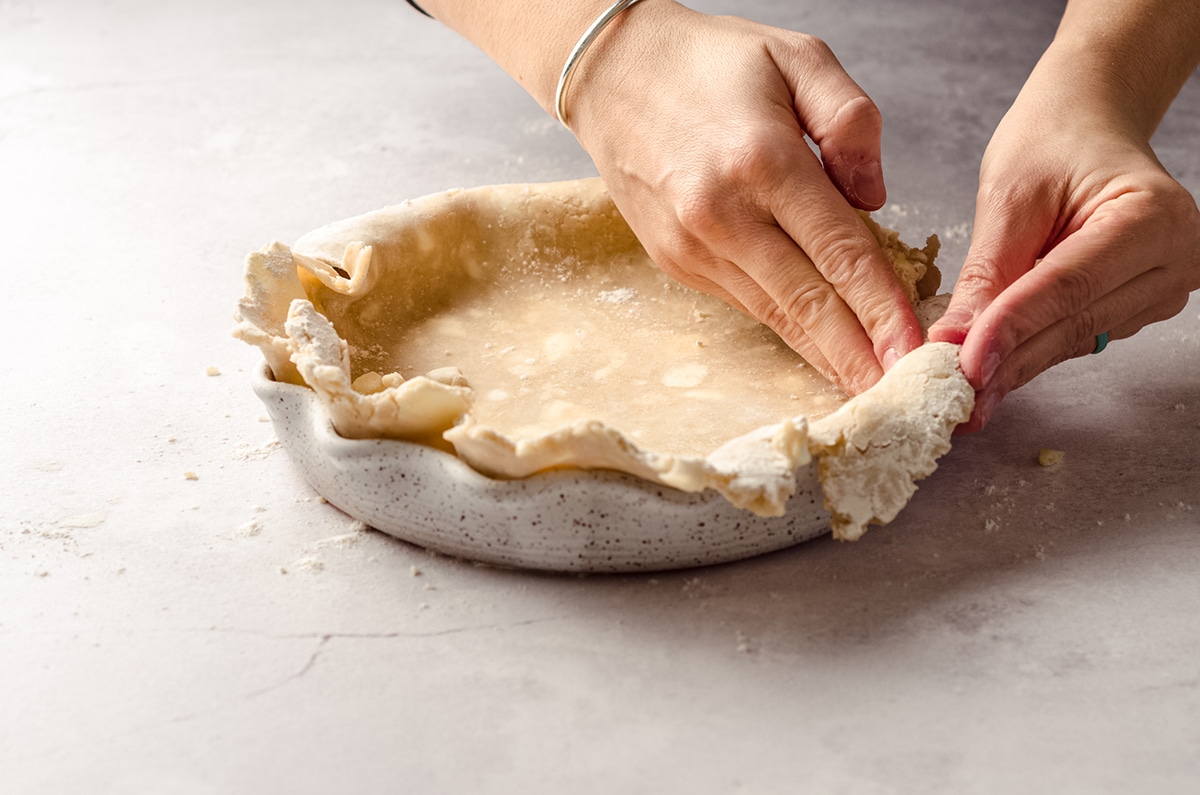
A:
(502, 374)
(564, 520)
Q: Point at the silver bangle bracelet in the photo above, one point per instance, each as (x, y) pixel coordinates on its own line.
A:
(564, 80)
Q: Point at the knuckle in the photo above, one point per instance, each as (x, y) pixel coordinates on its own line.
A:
(699, 211)
(859, 114)
(807, 305)
(1077, 288)
(842, 258)
(757, 159)
(1080, 334)
(813, 49)
(979, 277)
(751, 166)
(1169, 307)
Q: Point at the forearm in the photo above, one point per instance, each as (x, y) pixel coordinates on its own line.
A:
(1128, 55)
(529, 39)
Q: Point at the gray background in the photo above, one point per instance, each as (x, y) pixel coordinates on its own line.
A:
(1016, 629)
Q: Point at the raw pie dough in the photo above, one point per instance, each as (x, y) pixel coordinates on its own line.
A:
(524, 328)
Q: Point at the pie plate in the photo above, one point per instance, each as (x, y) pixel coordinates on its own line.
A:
(561, 520)
(502, 374)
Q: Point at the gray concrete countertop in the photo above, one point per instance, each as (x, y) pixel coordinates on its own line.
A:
(1017, 629)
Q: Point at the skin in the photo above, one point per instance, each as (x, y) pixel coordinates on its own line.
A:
(1079, 229)
(698, 126)
(711, 168)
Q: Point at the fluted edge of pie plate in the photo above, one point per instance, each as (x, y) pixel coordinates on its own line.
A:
(564, 520)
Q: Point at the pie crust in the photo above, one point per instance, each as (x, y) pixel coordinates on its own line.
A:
(524, 328)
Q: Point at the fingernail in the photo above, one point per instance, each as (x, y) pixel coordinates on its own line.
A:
(867, 183)
(890, 357)
(991, 363)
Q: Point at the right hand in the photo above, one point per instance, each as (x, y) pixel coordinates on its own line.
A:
(697, 125)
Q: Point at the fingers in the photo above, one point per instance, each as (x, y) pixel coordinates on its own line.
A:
(1147, 297)
(839, 117)
(1010, 231)
(1091, 282)
(850, 261)
(782, 287)
(855, 370)
(806, 265)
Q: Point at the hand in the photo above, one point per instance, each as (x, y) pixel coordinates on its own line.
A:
(1079, 230)
(698, 125)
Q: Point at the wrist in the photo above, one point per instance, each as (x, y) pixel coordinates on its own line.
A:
(1125, 59)
(529, 39)
(614, 75)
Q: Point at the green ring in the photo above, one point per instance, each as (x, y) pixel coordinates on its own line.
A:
(1101, 342)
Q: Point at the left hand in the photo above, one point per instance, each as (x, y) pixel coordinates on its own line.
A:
(1079, 230)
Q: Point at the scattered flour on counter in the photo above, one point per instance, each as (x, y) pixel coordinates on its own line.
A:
(342, 541)
(83, 521)
(250, 529)
(245, 452)
(307, 564)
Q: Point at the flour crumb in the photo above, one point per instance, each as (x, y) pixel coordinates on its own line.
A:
(264, 418)
(1048, 458)
(308, 564)
(414, 571)
(250, 529)
(322, 500)
(211, 371)
(190, 475)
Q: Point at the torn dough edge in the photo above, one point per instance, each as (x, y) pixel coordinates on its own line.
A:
(869, 453)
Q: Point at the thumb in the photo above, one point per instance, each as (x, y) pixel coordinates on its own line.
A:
(840, 119)
(1006, 242)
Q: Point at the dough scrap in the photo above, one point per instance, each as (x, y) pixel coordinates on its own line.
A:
(360, 311)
